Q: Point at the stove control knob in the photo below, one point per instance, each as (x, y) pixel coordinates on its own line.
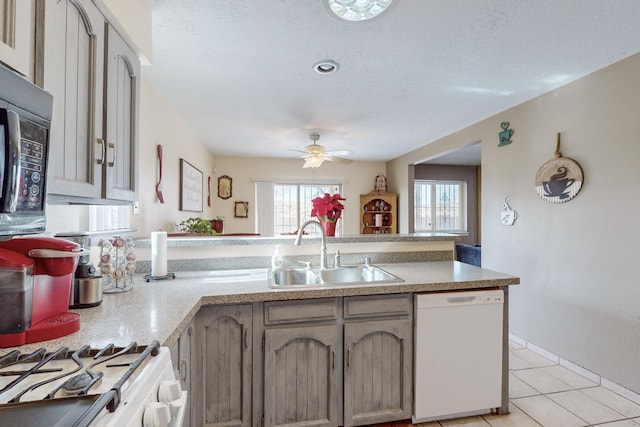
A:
(169, 391)
(156, 414)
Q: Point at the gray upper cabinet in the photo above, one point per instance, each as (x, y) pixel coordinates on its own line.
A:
(16, 31)
(94, 79)
(73, 74)
(224, 364)
(120, 119)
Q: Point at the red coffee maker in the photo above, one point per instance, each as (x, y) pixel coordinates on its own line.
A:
(36, 278)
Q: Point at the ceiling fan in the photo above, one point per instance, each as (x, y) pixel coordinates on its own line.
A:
(314, 155)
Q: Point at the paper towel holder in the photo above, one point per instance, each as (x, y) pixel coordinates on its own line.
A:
(149, 277)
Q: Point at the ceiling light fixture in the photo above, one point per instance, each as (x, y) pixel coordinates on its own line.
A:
(313, 162)
(358, 10)
(326, 67)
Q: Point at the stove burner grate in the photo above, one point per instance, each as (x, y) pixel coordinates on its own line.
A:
(86, 407)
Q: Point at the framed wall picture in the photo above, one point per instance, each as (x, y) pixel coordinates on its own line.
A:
(190, 187)
(241, 210)
(224, 187)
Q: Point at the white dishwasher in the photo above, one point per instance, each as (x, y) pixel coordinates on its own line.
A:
(458, 354)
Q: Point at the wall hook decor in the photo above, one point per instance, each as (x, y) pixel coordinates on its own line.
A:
(507, 216)
(559, 179)
(504, 136)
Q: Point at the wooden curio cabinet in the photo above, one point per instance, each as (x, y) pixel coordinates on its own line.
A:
(378, 213)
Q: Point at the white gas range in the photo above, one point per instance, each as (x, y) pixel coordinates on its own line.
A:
(115, 386)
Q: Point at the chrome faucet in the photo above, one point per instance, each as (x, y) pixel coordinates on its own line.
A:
(323, 245)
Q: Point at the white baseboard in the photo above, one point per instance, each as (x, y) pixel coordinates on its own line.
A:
(616, 388)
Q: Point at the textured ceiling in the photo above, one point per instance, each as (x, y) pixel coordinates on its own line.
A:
(241, 71)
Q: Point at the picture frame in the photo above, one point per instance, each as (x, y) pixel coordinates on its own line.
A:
(225, 189)
(190, 187)
(241, 210)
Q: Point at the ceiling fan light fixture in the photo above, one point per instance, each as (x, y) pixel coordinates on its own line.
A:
(358, 10)
(313, 162)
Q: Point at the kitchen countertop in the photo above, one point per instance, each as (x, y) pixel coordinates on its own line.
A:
(160, 310)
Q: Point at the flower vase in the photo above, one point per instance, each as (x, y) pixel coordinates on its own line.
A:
(329, 227)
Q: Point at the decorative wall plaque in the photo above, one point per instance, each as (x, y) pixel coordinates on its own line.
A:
(225, 187)
(507, 216)
(505, 135)
(560, 179)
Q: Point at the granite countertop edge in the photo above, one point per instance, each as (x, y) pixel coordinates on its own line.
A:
(223, 240)
(160, 310)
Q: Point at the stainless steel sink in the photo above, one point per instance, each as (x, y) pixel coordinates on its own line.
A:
(295, 276)
(347, 275)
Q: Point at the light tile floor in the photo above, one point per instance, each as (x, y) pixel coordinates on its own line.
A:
(543, 393)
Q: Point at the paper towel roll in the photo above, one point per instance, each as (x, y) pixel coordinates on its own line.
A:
(158, 253)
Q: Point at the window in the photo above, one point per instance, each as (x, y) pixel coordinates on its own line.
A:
(440, 206)
(283, 207)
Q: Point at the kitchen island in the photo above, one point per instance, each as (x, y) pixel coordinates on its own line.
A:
(195, 300)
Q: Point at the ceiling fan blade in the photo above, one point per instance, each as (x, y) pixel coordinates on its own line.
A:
(339, 153)
(338, 159)
(297, 151)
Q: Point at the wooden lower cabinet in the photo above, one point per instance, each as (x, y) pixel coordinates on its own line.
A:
(183, 355)
(314, 362)
(301, 376)
(224, 368)
(377, 371)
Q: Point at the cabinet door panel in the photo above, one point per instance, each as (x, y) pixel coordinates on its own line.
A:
(301, 376)
(16, 29)
(73, 73)
(224, 339)
(121, 113)
(378, 364)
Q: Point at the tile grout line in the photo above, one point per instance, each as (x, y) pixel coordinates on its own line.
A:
(610, 385)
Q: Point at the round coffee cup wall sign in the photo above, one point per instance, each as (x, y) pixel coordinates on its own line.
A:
(560, 179)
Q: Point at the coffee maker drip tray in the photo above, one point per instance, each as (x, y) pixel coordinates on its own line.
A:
(53, 327)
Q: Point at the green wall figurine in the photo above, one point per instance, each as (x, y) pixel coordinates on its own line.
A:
(505, 135)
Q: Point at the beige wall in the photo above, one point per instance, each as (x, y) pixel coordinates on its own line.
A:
(579, 297)
(161, 124)
(356, 178)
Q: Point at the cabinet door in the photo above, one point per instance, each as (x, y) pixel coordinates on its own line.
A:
(121, 119)
(73, 74)
(224, 337)
(16, 28)
(301, 376)
(378, 371)
(186, 362)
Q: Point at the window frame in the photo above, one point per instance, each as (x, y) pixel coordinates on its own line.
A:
(266, 204)
(461, 209)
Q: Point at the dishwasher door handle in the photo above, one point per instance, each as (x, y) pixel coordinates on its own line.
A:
(460, 300)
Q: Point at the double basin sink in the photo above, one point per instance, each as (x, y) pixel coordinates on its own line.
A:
(347, 275)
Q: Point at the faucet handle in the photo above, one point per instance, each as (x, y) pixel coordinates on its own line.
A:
(306, 263)
(367, 260)
(336, 260)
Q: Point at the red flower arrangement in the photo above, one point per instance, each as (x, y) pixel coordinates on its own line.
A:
(327, 208)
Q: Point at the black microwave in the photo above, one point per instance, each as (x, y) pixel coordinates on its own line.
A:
(25, 121)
